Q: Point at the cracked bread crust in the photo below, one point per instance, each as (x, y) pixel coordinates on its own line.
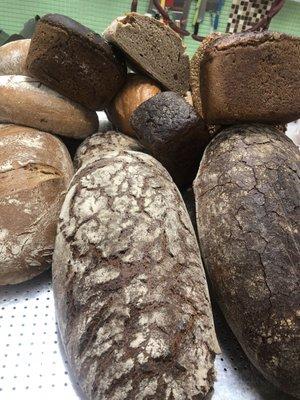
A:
(75, 61)
(251, 77)
(154, 48)
(247, 202)
(35, 170)
(130, 291)
(13, 57)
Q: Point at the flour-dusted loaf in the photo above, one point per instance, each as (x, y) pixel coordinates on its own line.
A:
(35, 171)
(130, 292)
(247, 199)
(75, 61)
(169, 127)
(13, 57)
(94, 146)
(152, 47)
(251, 77)
(26, 101)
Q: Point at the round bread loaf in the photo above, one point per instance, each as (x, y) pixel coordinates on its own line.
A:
(35, 171)
(168, 126)
(130, 292)
(247, 201)
(75, 61)
(13, 57)
(137, 89)
(25, 101)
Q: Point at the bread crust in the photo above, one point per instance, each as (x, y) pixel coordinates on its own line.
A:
(247, 202)
(130, 292)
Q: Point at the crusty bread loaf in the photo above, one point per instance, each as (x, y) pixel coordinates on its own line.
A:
(25, 101)
(75, 61)
(251, 77)
(35, 170)
(247, 201)
(94, 146)
(173, 133)
(137, 89)
(130, 292)
(13, 57)
(152, 47)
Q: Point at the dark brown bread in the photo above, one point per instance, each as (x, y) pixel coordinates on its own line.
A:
(173, 133)
(154, 48)
(247, 201)
(35, 171)
(75, 61)
(131, 296)
(251, 77)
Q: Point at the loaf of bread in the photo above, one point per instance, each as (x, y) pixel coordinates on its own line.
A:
(173, 133)
(152, 47)
(130, 292)
(251, 77)
(13, 57)
(75, 61)
(247, 201)
(102, 142)
(35, 171)
(25, 101)
(137, 89)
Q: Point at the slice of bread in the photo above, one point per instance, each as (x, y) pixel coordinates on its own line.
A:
(152, 47)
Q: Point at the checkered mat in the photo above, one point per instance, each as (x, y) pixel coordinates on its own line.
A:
(244, 14)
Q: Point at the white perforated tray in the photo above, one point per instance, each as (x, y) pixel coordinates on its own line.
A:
(33, 364)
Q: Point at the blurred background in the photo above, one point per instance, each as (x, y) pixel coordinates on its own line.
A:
(17, 17)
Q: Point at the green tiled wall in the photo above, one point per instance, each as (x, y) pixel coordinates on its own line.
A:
(97, 14)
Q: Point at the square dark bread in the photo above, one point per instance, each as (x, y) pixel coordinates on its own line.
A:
(251, 77)
(152, 47)
(75, 61)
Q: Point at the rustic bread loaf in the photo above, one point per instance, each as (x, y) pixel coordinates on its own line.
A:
(137, 89)
(173, 133)
(247, 201)
(92, 148)
(75, 61)
(13, 57)
(35, 170)
(25, 101)
(130, 292)
(251, 77)
(152, 47)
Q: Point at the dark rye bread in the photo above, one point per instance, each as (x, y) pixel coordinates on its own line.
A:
(130, 291)
(251, 77)
(154, 48)
(247, 202)
(75, 61)
(173, 133)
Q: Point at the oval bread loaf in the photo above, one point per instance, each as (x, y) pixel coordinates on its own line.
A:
(25, 101)
(130, 291)
(13, 57)
(247, 200)
(35, 170)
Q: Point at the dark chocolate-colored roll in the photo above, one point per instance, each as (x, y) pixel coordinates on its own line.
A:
(173, 133)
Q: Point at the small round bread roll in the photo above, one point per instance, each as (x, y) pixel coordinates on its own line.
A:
(35, 171)
(137, 89)
(26, 101)
(13, 57)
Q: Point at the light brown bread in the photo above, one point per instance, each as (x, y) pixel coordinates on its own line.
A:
(13, 57)
(130, 291)
(35, 170)
(247, 202)
(152, 47)
(25, 101)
